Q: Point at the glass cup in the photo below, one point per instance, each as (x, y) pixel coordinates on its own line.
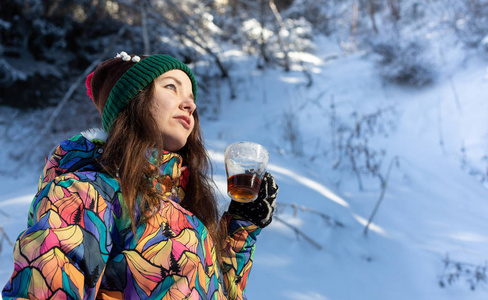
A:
(245, 164)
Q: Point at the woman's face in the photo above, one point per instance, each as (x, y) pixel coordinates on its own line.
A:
(173, 105)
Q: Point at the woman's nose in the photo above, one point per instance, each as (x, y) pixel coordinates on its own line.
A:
(188, 105)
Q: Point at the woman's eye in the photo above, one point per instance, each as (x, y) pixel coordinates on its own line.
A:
(171, 87)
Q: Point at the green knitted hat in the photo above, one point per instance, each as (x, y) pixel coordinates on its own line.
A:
(117, 81)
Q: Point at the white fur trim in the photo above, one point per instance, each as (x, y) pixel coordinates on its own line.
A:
(95, 133)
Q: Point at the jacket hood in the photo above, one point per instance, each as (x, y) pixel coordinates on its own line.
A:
(76, 154)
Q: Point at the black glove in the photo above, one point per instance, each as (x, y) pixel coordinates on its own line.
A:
(260, 211)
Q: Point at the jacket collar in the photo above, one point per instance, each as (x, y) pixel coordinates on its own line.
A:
(172, 176)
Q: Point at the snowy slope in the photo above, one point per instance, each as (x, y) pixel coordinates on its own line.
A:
(432, 206)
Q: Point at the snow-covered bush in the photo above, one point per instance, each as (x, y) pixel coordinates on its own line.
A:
(475, 276)
(356, 143)
(294, 36)
(297, 34)
(322, 14)
(262, 29)
(252, 32)
(47, 38)
(8, 74)
(470, 20)
(484, 44)
(404, 61)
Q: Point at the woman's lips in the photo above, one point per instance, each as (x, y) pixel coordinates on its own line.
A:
(184, 120)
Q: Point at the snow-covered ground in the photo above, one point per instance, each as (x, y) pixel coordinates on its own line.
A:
(432, 208)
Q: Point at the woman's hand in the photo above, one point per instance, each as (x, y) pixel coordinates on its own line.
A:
(260, 211)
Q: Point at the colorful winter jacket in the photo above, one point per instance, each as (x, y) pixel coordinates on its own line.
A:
(79, 245)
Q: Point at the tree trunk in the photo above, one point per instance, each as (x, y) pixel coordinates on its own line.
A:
(281, 25)
(233, 8)
(145, 35)
(354, 22)
(262, 42)
(371, 15)
(395, 9)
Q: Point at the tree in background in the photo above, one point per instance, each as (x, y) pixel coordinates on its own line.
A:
(45, 44)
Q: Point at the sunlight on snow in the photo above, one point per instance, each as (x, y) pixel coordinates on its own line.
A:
(221, 184)
(216, 156)
(314, 185)
(305, 57)
(292, 79)
(273, 260)
(17, 200)
(305, 296)
(372, 226)
(468, 237)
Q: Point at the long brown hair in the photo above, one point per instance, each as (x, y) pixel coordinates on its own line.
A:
(134, 132)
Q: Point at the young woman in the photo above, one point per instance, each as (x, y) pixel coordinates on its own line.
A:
(128, 212)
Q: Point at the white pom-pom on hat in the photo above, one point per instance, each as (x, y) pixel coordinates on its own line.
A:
(123, 54)
(136, 59)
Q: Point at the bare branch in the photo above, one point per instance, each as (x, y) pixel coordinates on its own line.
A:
(325, 217)
(384, 183)
(474, 275)
(181, 32)
(281, 25)
(299, 233)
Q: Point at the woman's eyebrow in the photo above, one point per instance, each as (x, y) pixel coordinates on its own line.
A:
(173, 78)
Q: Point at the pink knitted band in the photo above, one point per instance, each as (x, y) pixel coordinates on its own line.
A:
(88, 85)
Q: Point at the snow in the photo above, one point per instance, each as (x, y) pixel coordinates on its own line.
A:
(432, 207)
